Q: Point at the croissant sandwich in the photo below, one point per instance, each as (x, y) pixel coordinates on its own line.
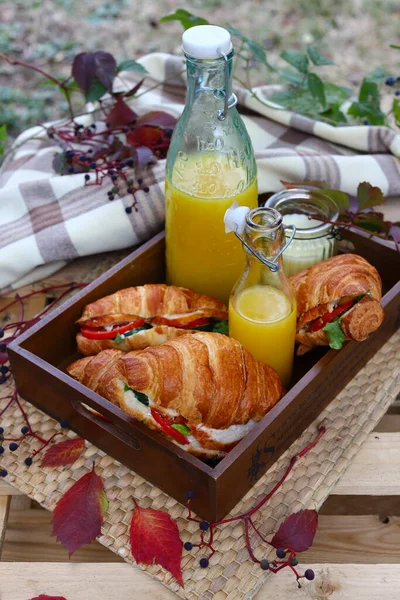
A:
(337, 300)
(203, 391)
(147, 315)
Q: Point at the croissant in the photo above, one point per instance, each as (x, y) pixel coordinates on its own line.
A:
(337, 299)
(204, 391)
(148, 315)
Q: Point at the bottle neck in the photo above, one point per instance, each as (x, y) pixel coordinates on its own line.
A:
(207, 78)
(264, 233)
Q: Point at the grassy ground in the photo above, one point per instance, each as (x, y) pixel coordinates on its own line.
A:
(48, 33)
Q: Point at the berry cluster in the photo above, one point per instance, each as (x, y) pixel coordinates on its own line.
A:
(394, 82)
(287, 556)
(13, 329)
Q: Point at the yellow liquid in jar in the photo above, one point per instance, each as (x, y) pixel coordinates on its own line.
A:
(199, 254)
(262, 319)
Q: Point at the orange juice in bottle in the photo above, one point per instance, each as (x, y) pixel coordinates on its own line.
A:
(262, 307)
(210, 164)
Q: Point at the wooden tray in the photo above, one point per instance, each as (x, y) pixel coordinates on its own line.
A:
(38, 359)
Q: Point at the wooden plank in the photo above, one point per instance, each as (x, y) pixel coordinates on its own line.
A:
(4, 508)
(28, 538)
(339, 539)
(375, 470)
(388, 424)
(19, 581)
(20, 503)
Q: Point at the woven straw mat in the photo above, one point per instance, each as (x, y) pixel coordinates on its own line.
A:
(231, 574)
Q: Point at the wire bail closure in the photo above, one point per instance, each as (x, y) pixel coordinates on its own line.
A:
(222, 114)
(271, 264)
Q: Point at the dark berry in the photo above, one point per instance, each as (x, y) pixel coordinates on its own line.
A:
(140, 180)
(204, 525)
(309, 574)
(87, 177)
(93, 126)
(189, 495)
(129, 163)
(119, 167)
(1, 449)
(3, 379)
(4, 369)
(110, 197)
(397, 79)
(281, 553)
(129, 190)
(82, 158)
(168, 132)
(92, 165)
(128, 210)
(24, 430)
(146, 189)
(64, 424)
(264, 564)
(1, 430)
(114, 177)
(3, 347)
(28, 461)
(294, 561)
(397, 93)
(188, 545)
(366, 122)
(114, 190)
(90, 151)
(13, 446)
(129, 181)
(204, 563)
(1, 333)
(70, 169)
(3, 473)
(69, 153)
(390, 81)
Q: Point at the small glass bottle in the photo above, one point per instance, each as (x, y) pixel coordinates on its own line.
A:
(315, 240)
(262, 307)
(210, 163)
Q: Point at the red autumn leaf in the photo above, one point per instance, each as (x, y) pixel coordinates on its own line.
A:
(157, 118)
(64, 453)
(121, 114)
(155, 539)
(369, 195)
(297, 531)
(79, 515)
(45, 597)
(145, 136)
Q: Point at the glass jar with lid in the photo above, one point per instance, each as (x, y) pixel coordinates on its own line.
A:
(313, 213)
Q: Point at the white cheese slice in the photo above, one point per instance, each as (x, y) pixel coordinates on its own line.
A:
(230, 434)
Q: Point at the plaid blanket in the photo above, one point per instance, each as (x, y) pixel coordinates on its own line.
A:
(47, 219)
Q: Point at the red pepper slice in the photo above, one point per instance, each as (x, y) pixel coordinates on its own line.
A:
(166, 427)
(99, 333)
(328, 317)
(178, 324)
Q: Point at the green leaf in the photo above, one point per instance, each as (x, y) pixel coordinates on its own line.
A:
(143, 398)
(372, 221)
(335, 334)
(316, 88)
(292, 76)
(377, 75)
(3, 133)
(186, 18)
(395, 46)
(181, 428)
(298, 60)
(369, 196)
(369, 92)
(256, 49)
(317, 58)
(368, 111)
(221, 327)
(336, 93)
(396, 111)
(131, 65)
(341, 199)
(335, 114)
(120, 338)
(96, 91)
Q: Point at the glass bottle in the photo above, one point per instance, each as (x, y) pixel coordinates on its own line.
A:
(262, 307)
(210, 163)
(315, 240)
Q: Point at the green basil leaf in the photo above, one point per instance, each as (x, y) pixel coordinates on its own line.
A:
(335, 334)
(181, 428)
(120, 338)
(298, 60)
(143, 398)
(221, 326)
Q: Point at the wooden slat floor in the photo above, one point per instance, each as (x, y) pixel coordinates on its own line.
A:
(351, 537)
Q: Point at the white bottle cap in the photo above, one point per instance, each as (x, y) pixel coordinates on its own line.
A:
(235, 218)
(206, 41)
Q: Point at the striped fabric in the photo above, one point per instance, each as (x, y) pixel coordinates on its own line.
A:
(47, 219)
